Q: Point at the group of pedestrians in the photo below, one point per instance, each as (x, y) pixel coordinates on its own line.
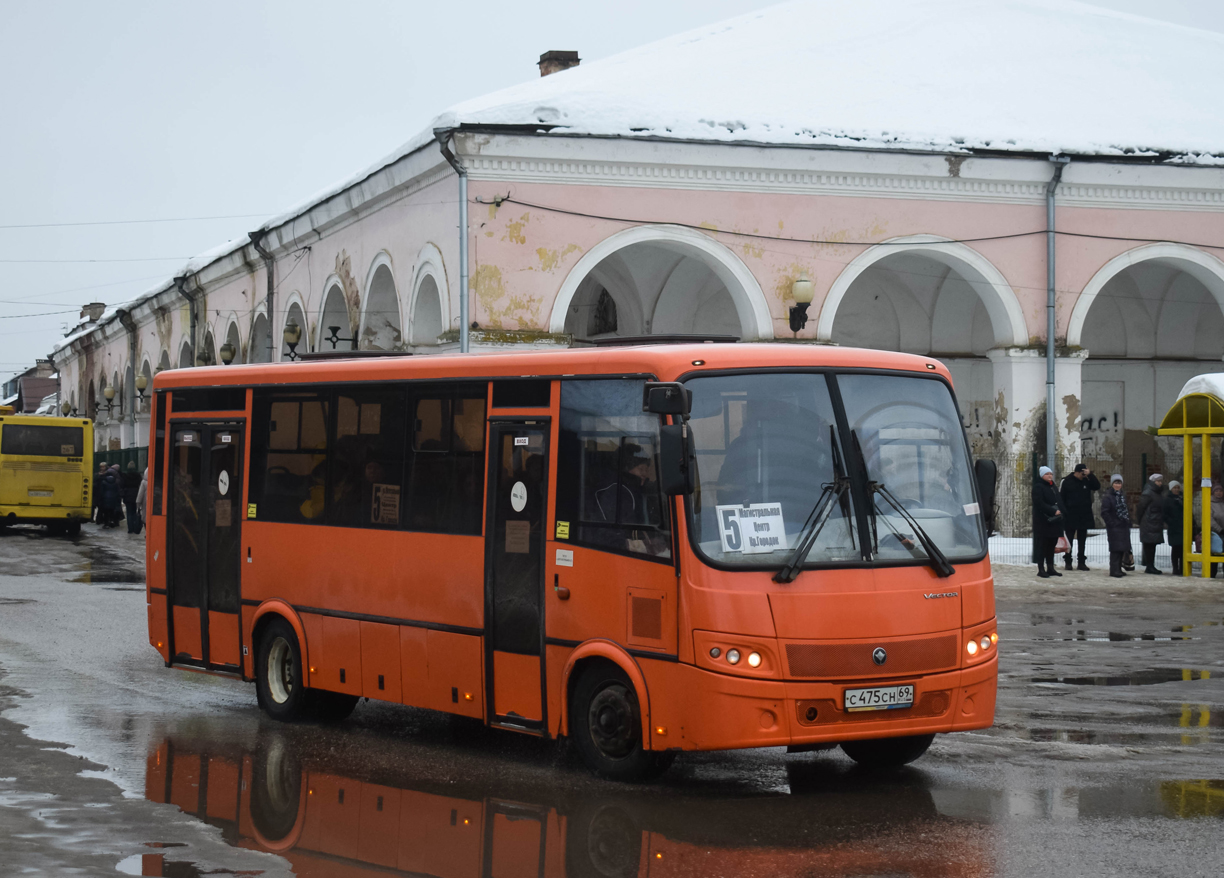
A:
(116, 492)
(1065, 514)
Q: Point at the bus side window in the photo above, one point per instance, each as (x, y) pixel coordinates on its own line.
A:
(607, 466)
(447, 464)
(289, 457)
(367, 466)
(159, 454)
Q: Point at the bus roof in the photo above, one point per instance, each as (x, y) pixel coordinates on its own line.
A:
(666, 362)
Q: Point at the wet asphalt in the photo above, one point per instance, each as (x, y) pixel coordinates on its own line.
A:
(1107, 758)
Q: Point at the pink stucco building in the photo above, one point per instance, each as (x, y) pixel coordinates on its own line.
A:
(899, 153)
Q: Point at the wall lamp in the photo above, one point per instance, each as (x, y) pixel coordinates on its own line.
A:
(802, 291)
(109, 393)
(293, 336)
(142, 383)
(66, 408)
(335, 338)
(227, 353)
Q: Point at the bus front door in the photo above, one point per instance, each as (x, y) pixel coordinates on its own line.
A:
(514, 573)
(204, 565)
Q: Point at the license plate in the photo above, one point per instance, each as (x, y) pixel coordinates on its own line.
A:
(36, 493)
(885, 698)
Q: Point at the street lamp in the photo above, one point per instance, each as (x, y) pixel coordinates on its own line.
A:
(335, 338)
(802, 291)
(293, 335)
(227, 353)
(142, 382)
(109, 393)
(65, 408)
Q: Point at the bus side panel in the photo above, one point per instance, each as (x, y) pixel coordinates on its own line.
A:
(187, 632)
(157, 625)
(397, 574)
(456, 671)
(380, 661)
(336, 666)
(414, 666)
(555, 658)
(977, 594)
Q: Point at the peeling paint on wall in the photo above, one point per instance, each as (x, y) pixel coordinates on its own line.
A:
(785, 282)
(499, 310)
(514, 230)
(1072, 404)
(352, 293)
(550, 259)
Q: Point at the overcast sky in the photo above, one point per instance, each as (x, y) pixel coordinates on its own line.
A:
(123, 111)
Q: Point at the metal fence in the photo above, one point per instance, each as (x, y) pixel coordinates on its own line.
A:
(124, 456)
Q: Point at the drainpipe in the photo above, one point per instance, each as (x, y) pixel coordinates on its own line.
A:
(443, 137)
(181, 284)
(1060, 162)
(269, 265)
(129, 388)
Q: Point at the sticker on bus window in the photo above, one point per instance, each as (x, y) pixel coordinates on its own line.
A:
(973, 509)
(68, 449)
(518, 497)
(250, 510)
(520, 440)
(565, 557)
(518, 537)
(225, 512)
(223, 483)
(226, 437)
(563, 530)
(752, 529)
(385, 505)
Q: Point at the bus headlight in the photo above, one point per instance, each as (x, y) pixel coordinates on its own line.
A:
(754, 659)
(985, 643)
(733, 656)
(972, 647)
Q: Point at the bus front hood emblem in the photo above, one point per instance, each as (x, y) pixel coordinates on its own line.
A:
(879, 656)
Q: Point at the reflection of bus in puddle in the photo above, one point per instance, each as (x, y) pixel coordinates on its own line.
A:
(333, 821)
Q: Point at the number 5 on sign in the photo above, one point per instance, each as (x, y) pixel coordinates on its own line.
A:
(728, 519)
(755, 529)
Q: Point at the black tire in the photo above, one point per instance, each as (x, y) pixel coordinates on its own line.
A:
(332, 707)
(74, 529)
(278, 674)
(276, 788)
(887, 752)
(606, 726)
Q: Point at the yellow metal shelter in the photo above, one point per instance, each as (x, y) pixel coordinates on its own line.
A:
(1197, 414)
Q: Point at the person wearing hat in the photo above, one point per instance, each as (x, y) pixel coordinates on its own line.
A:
(1117, 520)
(1150, 514)
(1048, 522)
(1174, 520)
(1077, 489)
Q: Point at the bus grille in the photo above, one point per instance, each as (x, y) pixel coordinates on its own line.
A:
(30, 466)
(918, 655)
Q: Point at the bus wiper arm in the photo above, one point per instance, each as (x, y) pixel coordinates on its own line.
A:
(816, 520)
(939, 561)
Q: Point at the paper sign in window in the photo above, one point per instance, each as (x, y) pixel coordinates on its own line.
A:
(385, 505)
(754, 529)
(224, 511)
(518, 537)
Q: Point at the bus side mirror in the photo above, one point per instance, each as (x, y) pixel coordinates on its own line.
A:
(677, 459)
(666, 398)
(987, 474)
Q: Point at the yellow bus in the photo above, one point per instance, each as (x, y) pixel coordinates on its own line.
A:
(45, 471)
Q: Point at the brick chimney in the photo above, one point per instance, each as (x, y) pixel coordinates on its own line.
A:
(93, 311)
(551, 62)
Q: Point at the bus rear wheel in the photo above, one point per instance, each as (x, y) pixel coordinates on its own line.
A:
(887, 752)
(606, 724)
(278, 673)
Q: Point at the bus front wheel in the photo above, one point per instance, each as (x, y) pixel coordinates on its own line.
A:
(278, 673)
(606, 724)
(887, 752)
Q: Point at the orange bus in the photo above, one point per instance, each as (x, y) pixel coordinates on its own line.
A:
(648, 548)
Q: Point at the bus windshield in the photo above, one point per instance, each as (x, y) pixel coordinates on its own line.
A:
(769, 444)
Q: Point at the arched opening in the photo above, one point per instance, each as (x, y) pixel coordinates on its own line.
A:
(129, 389)
(115, 411)
(427, 313)
(334, 322)
(259, 351)
(381, 329)
(234, 340)
(163, 363)
(295, 317)
(1150, 320)
(658, 280)
(208, 356)
(147, 371)
(186, 361)
(91, 403)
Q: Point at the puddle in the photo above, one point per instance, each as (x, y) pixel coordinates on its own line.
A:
(157, 864)
(104, 566)
(1085, 636)
(11, 601)
(1149, 677)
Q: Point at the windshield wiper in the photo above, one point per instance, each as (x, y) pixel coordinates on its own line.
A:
(833, 492)
(939, 561)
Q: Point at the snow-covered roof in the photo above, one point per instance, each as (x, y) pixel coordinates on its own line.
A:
(1051, 76)
(1211, 384)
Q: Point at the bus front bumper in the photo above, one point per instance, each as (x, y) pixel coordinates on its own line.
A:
(724, 712)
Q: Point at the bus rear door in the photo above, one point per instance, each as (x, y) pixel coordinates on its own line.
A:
(205, 544)
(514, 572)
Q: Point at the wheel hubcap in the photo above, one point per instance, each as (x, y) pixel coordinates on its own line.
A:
(613, 721)
(280, 671)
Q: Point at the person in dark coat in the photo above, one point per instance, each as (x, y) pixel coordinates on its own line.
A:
(97, 494)
(1149, 512)
(1117, 520)
(1077, 490)
(1174, 519)
(129, 488)
(1048, 522)
(108, 503)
